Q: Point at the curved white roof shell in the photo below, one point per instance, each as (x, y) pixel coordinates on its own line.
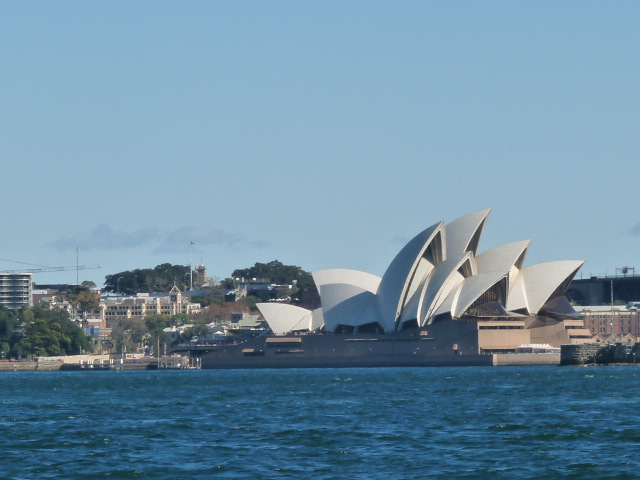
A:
(517, 300)
(396, 281)
(317, 320)
(471, 289)
(283, 318)
(543, 279)
(505, 258)
(463, 234)
(445, 278)
(353, 310)
(347, 297)
(413, 307)
(438, 274)
(363, 280)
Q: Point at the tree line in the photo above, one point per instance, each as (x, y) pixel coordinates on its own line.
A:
(276, 272)
(39, 331)
(147, 280)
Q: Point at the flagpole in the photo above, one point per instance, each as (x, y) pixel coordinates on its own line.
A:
(190, 268)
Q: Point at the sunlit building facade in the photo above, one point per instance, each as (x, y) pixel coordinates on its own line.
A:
(144, 305)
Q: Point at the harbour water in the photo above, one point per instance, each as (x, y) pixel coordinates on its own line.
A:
(377, 423)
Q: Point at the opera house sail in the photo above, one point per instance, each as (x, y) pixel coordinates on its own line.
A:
(439, 299)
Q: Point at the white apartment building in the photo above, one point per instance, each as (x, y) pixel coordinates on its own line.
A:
(15, 290)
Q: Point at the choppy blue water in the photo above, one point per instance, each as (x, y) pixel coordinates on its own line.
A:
(403, 423)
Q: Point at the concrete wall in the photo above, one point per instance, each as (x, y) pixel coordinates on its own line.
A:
(503, 339)
(24, 366)
(526, 359)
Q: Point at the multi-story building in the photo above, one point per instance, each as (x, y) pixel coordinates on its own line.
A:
(144, 305)
(15, 290)
(605, 320)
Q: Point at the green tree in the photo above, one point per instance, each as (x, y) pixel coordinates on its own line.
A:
(85, 300)
(8, 323)
(5, 348)
(129, 334)
(276, 272)
(198, 330)
(50, 332)
(209, 298)
(147, 280)
(178, 320)
(156, 323)
(251, 301)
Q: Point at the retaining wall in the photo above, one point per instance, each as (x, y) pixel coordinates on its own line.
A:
(579, 354)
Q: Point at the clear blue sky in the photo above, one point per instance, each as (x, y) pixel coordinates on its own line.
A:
(322, 134)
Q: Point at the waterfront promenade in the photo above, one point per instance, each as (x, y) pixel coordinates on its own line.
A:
(186, 363)
(73, 363)
(571, 355)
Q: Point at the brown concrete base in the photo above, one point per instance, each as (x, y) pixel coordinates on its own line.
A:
(526, 359)
(26, 366)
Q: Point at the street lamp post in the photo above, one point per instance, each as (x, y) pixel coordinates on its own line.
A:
(118, 285)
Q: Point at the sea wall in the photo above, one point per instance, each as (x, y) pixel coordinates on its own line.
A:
(25, 366)
(596, 353)
(590, 353)
(579, 354)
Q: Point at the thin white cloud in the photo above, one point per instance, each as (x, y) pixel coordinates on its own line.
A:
(104, 237)
(260, 244)
(179, 240)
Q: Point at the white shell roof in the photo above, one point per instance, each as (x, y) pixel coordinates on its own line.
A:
(353, 309)
(541, 280)
(317, 320)
(283, 317)
(413, 307)
(346, 297)
(504, 258)
(472, 288)
(364, 280)
(517, 299)
(444, 279)
(464, 233)
(438, 271)
(424, 268)
(394, 287)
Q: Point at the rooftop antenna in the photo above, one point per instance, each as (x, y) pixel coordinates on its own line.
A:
(612, 307)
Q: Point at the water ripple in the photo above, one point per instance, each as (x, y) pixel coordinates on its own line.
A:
(460, 423)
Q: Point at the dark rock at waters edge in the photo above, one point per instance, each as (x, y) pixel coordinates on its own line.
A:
(599, 354)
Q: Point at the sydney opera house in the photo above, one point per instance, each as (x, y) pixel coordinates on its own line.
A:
(440, 300)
